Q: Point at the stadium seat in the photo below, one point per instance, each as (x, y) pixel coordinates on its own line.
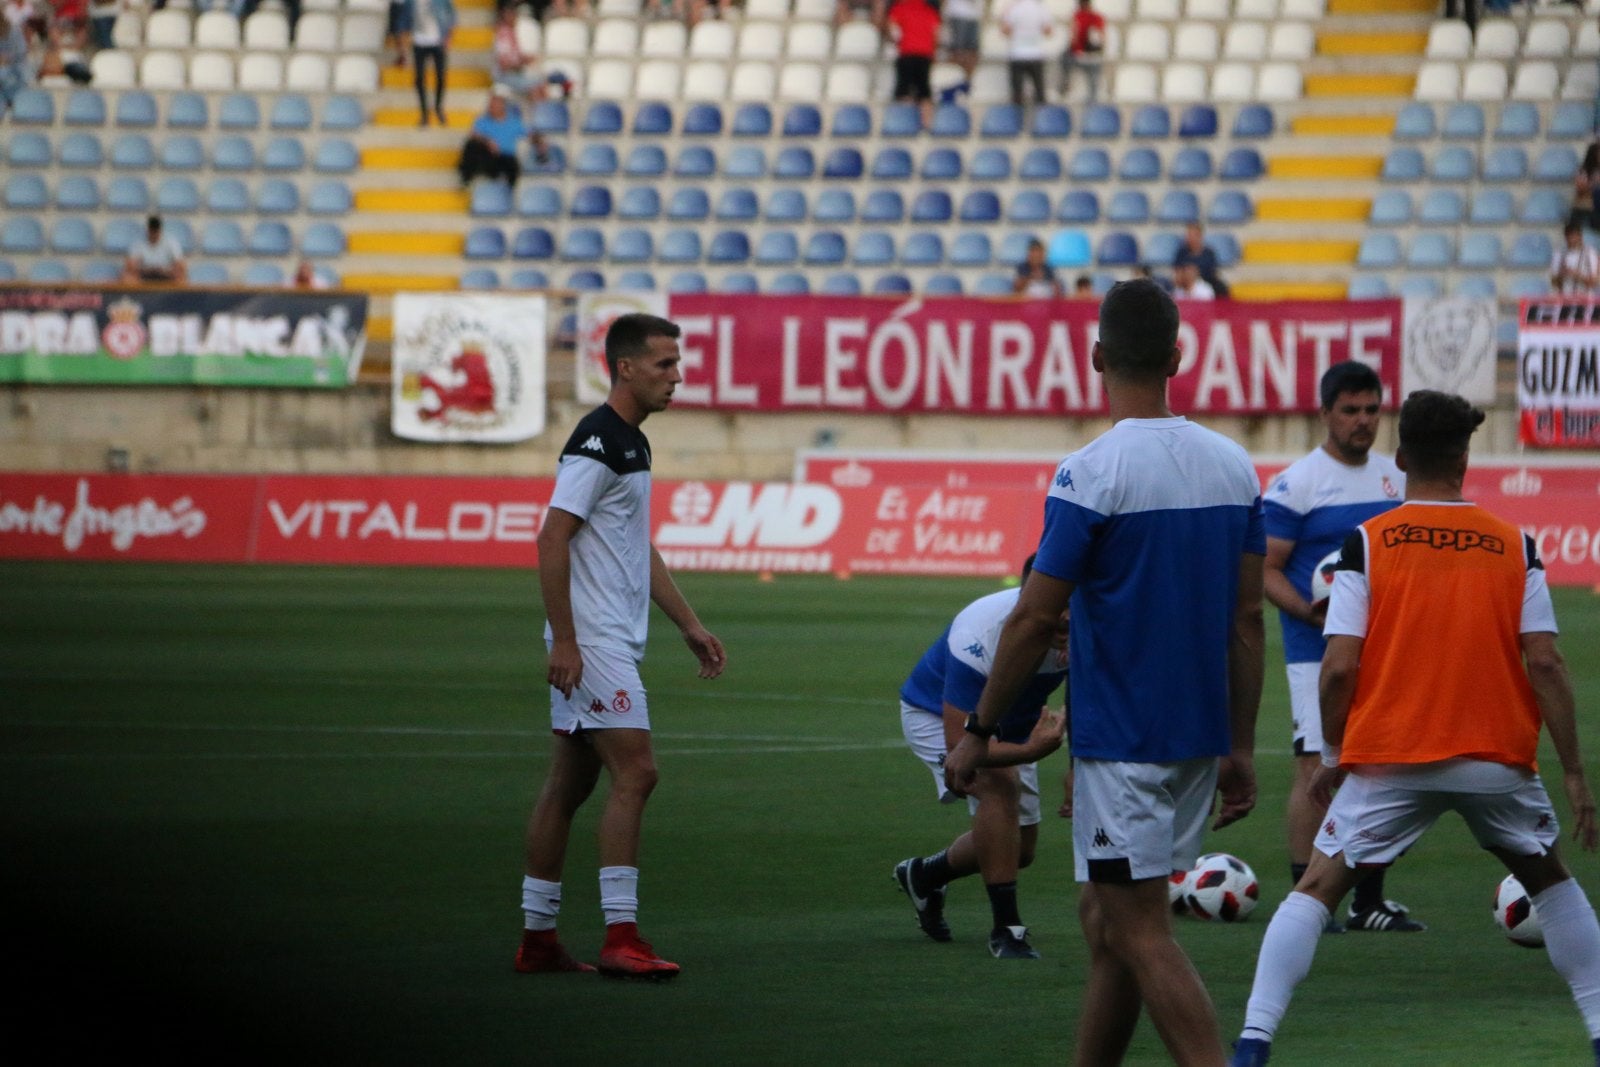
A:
(1117, 249)
(737, 204)
(1484, 79)
(1178, 206)
(1506, 163)
(120, 235)
(950, 120)
(1415, 123)
(941, 164)
(1198, 120)
(591, 202)
(636, 281)
(331, 197)
(794, 163)
(644, 161)
(786, 205)
(790, 283)
(290, 112)
(1422, 286)
(654, 119)
(1139, 165)
(841, 284)
(931, 205)
(107, 272)
(1476, 287)
(33, 107)
(739, 281)
(270, 238)
(72, 236)
(942, 284)
(1029, 205)
(285, 154)
(802, 120)
(263, 276)
(1544, 207)
(1051, 121)
(900, 120)
(1067, 248)
(177, 196)
(990, 165)
(1491, 207)
(777, 248)
(1530, 251)
(689, 204)
(702, 120)
(603, 119)
(28, 149)
(1129, 207)
(85, 107)
(638, 202)
(1430, 251)
(687, 281)
(1043, 165)
(1253, 120)
(680, 246)
(892, 285)
(1391, 207)
(1519, 121)
(1402, 165)
(49, 272)
(551, 117)
(22, 236)
(1151, 120)
(182, 153)
(1378, 251)
(729, 246)
(824, 248)
(481, 277)
(600, 160)
(1479, 251)
(979, 205)
(232, 153)
(227, 196)
(1463, 122)
(1439, 80)
(127, 194)
(258, 73)
(26, 192)
(533, 242)
(993, 285)
(1090, 165)
(1572, 120)
(971, 249)
(839, 205)
(490, 200)
(1191, 164)
(1231, 207)
(135, 109)
(583, 244)
(1454, 163)
(1440, 207)
(1001, 120)
(221, 237)
(112, 68)
(1367, 287)
(81, 150)
(844, 163)
(1079, 205)
(1556, 163)
(307, 74)
(1241, 164)
(752, 120)
(632, 245)
(586, 281)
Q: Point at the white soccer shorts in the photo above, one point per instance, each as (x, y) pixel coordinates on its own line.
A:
(610, 697)
(925, 734)
(1132, 821)
(1305, 707)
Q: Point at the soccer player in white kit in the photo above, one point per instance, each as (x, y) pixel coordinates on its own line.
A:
(599, 572)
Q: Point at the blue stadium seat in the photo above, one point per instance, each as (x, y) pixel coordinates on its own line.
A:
(1430, 251)
(990, 165)
(188, 111)
(263, 275)
(1241, 165)
(883, 205)
(892, 163)
(702, 120)
(1101, 120)
(802, 120)
(790, 283)
(951, 120)
(824, 248)
(687, 281)
(922, 249)
(1530, 251)
(583, 244)
(1254, 120)
(739, 281)
(180, 231)
(85, 107)
(33, 107)
(1230, 207)
(136, 109)
(1129, 207)
(227, 196)
(49, 272)
(598, 160)
(738, 204)
(1415, 123)
(221, 237)
(533, 242)
(1403, 165)
(290, 112)
(26, 192)
(993, 285)
(270, 238)
(1117, 249)
(72, 236)
(286, 154)
(331, 197)
(836, 205)
(121, 235)
(107, 272)
(233, 153)
(81, 150)
(127, 194)
(1199, 120)
(1151, 120)
(239, 112)
(1378, 251)
(1545, 207)
(1090, 165)
(1573, 120)
(1029, 205)
(1040, 165)
(342, 113)
(971, 249)
(1556, 163)
(481, 277)
(636, 281)
(28, 149)
(729, 246)
(336, 156)
(893, 284)
(1162, 248)
(931, 205)
(633, 245)
(1528, 286)
(752, 120)
(1227, 248)
(1463, 121)
(1440, 207)
(1367, 287)
(1476, 287)
(942, 284)
(1191, 164)
(680, 246)
(843, 163)
(1140, 165)
(1001, 120)
(540, 201)
(1391, 207)
(873, 248)
(689, 204)
(490, 200)
(777, 248)
(323, 240)
(746, 162)
(551, 117)
(603, 119)
(653, 119)
(1424, 286)
(591, 202)
(1178, 206)
(182, 153)
(851, 121)
(1479, 251)
(842, 283)
(1491, 207)
(794, 163)
(1079, 205)
(980, 205)
(941, 165)
(900, 120)
(1051, 120)
(586, 281)
(786, 205)
(644, 161)
(1519, 121)
(638, 202)
(1506, 163)
(22, 235)
(1454, 163)
(1067, 248)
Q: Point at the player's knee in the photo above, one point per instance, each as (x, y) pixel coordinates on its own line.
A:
(637, 779)
(1029, 846)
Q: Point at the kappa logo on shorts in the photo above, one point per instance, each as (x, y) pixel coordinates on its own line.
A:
(596, 708)
(1544, 821)
(620, 703)
(1328, 828)
(1101, 839)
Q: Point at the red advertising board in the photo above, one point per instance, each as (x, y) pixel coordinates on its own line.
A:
(203, 518)
(985, 357)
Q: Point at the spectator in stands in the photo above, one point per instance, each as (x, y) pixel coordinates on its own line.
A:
(27, 18)
(1187, 283)
(398, 30)
(306, 276)
(1036, 278)
(491, 149)
(158, 259)
(291, 11)
(1195, 250)
(1575, 271)
(962, 20)
(16, 69)
(515, 69)
(1086, 48)
(1586, 188)
(1082, 289)
(61, 61)
(431, 24)
(102, 20)
(846, 10)
(70, 16)
(1025, 24)
(915, 27)
(1463, 9)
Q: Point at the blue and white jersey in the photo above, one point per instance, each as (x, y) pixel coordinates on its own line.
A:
(955, 668)
(1315, 502)
(1149, 521)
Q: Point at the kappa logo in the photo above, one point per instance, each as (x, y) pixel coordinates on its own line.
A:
(1064, 478)
(1328, 828)
(620, 703)
(1439, 537)
(630, 453)
(593, 445)
(975, 649)
(1101, 838)
(1544, 821)
(596, 708)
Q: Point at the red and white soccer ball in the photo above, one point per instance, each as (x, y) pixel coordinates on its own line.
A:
(1515, 914)
(1322, 576)
(1177, 887)
(1221, 888)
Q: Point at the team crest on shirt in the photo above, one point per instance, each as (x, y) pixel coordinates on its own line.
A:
(620, 703)
(1389, 489)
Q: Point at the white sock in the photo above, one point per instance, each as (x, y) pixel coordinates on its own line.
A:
(619, 894)
(1572, 937)
(541, 901)
(1287, 950)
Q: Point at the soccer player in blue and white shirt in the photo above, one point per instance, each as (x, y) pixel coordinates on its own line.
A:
(599, 572)
(1311, 507)
(1003, 799)
(1153, 535)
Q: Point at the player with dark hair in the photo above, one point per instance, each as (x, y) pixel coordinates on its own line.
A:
(1155, 511)
(1441, 666)
(1003, 798)
(599, 572)
(1310, 508)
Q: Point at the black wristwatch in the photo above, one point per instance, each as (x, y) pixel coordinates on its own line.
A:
(974, 728)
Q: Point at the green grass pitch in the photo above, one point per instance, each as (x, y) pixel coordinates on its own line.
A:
(275, 814)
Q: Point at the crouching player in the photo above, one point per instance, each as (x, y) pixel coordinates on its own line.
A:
(936, 704)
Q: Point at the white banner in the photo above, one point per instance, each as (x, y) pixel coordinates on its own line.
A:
(1449, 346)
(595, 314)
(1558, 371)
(468, 368)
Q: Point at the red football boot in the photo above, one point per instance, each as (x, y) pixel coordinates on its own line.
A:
(540, 952)
(627, 955)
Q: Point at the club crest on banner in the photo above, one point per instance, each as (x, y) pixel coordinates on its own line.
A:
(596, 312)
(468, 368)
(1450, 346)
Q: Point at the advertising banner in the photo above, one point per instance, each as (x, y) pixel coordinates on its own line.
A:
(88, 336)
(985, 357)
(198, 517)
(595, 314)
(1450, 346)
(468, 367)
(1558, 371)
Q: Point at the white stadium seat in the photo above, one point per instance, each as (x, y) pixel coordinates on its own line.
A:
(1233, 82)
(215, 29)
(261, 73)
(810, 40)
(670, 40)
(1157, 10)
(813, 10)
(112, 69)
(1196, 40)
(1265, 10)
(210, 70)
(705, 80)
(1536, 81)
(625, 9)
(1588, 43)
(612, 79)
(1146, 41)
(658, 79)
(857, 41)
(1246, 41)
(1439, 80)
(1291, 40)
(766, 10)
(1484, 79)
(752, 80)
(1311, 10)
(800, 81)
(266, 30)
(849, 83)
(161, 70)
(360, 35)
(355, 74)
(1548, 39)
(1278, 81)
(530, 37)
(616, 37)
(1183, 83)
(1583, 82)
(566, 37)
(1207, 9)
(1497, 39)
(167, 29)
(308, 74)
(1134, 83)
(127, 31)
(1449, 40)
(319, 31)
(760, 40)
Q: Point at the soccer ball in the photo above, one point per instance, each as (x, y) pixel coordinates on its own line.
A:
(1177, 886)
(1221, 888)
(1322, 576)
(1515, 914)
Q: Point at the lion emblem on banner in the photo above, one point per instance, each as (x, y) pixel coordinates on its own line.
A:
(1449, 343)
(470, 377)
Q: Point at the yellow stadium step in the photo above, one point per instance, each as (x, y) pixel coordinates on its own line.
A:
(1343, 125)
(413, 201)
(455, 118)
(1313, 209)
(481, 39)
(1383, 7)
(454, 78)
(1319, 168)
(408, 243)
(380, 327)
(1294, 253)
(1370, 44)
(1360, 84)
(394, 283)
(409, 158)
(1288, 290)
(485, 5)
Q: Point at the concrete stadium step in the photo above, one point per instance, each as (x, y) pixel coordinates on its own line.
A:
(1314, 168)
(409, 158)
(407, 243)
(1342, 125)
(455, 77)
(1256, 251)
(1400, 43)
(440, 201)
(1313, 209)
(1346, 85)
